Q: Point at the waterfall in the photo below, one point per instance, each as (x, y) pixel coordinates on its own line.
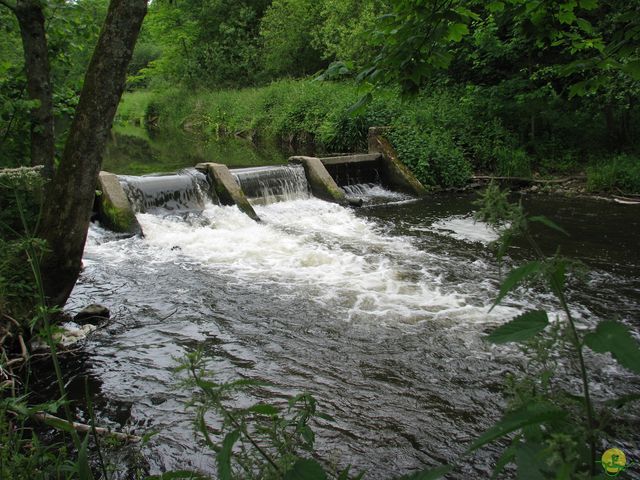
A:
(265, 185)
(185, 190)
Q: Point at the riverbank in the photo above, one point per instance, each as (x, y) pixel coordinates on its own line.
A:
(444, 136)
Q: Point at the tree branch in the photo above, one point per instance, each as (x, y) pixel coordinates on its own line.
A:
(60, 424)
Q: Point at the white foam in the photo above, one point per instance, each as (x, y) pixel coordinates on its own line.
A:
(465, 227)
(318, 249)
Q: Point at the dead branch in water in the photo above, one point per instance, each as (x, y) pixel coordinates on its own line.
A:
(488, 178)
(61, 424)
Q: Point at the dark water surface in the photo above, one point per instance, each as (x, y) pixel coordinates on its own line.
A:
(379, 312)
(136, 151)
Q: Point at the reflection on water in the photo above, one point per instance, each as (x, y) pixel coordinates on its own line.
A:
(379, 312)
(132, 151)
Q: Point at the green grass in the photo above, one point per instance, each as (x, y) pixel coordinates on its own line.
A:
(621, 174)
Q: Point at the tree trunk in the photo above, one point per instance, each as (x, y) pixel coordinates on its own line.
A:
(36, 59)
(70, 194)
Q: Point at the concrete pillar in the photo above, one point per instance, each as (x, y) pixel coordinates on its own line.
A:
(322, 184)
(114, 209)
(397, 173)
(226, 187)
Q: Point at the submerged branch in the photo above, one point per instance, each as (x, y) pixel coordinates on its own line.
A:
(62, 424)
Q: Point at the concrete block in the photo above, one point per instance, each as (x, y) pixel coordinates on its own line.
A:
(397, 173)
(322, 184)
(114, 209)
(356, 158)
(226, 187)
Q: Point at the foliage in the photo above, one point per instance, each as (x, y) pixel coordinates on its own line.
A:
(288, 32)
(20, 196)
(208, 43)
(563, 39)
(259, 441)
(72, 30)
(621, 174)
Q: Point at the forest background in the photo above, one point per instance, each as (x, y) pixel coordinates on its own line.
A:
(514, 88)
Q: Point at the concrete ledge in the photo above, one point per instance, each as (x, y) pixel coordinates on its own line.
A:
(114, 209)
(322, 184)
(397, 173)
(226, 187)
(357, 158)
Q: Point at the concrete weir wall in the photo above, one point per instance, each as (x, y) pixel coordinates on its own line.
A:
(114, 209)
(322, 184)
(116, 212)
(397, 173)
(226, 187)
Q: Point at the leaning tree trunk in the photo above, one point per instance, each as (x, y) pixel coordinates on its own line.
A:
(36, 58)
(69, 196)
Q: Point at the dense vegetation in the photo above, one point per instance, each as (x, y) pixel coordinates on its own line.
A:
(512, 88)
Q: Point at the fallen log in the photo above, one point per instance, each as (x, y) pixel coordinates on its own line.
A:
(62, 424)
(488, 178)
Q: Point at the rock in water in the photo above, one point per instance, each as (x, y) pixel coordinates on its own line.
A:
(93, 314)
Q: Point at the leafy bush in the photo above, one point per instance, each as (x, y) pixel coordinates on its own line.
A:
(433, 157)
(20, 194)
(621, 174)
(512, 163)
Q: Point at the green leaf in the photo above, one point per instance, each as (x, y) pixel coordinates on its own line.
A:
(325, 416)
(632, 69)
(584, 25)
(465, 12)
(264, 409)
(514, 278)
(359, 107)
(507, 456)
(589, 4)
(224, 455)
(566, 16)
(84, 470)
(529, 415)
(457, 31)
(495, 7)
(531, 460)
(521, 328)
(431, 474)
(549, 223)
(305, 469)
(307, 434)
(578, 88)
(614, 337)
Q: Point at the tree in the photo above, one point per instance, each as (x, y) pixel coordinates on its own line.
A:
(34, 40)
(69, 195)
(212, 43)
(584, 42)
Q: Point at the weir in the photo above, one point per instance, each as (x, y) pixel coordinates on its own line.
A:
(342, 179)
(185, 190)
(264, 185)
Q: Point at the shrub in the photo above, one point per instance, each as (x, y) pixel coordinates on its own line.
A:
(432, 156)
(621, 174)
(512, 163)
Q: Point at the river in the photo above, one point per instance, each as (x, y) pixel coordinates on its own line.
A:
(379, 312)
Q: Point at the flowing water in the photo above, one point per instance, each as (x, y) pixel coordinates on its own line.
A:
(378, 311)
